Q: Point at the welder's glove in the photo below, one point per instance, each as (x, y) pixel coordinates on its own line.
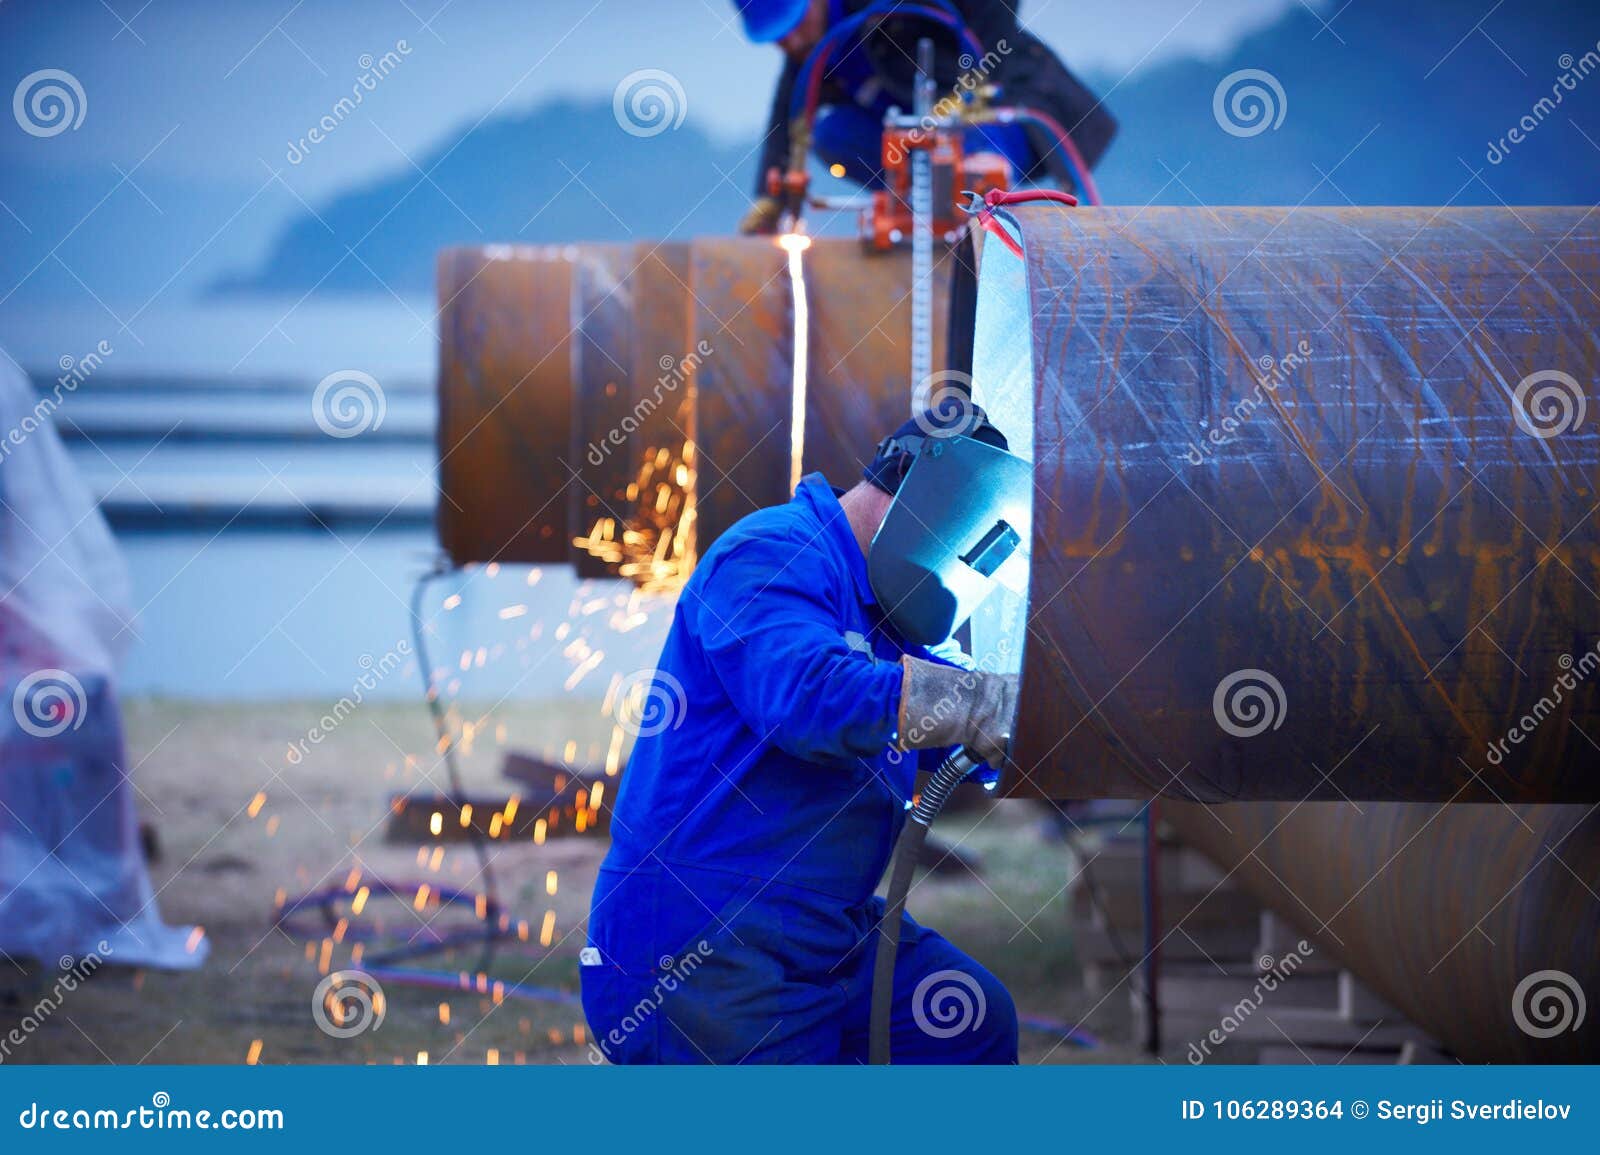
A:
(762, 219)
(944, 706)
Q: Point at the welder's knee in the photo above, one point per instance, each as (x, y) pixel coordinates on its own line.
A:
(953, 1010)
(994, 1039)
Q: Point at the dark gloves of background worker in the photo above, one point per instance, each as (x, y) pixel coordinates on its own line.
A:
(947, 706)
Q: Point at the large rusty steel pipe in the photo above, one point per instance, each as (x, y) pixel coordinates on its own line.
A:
(563, 369)
(1314, 501)
(1451, 913)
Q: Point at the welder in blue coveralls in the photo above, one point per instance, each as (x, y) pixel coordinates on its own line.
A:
(734, 919)
(872, 70)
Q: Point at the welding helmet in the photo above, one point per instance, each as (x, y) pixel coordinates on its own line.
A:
(962, 510)
(768, 21)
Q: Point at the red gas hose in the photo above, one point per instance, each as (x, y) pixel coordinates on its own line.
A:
(995, 197)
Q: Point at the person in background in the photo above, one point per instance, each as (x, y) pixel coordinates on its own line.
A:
(73, 880)
(872, 70)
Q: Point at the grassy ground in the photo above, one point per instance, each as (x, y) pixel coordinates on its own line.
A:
(239, 826)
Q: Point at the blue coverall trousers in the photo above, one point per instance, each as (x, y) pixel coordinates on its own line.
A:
(777, 976)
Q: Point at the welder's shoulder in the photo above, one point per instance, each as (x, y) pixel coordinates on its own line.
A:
(780, 545)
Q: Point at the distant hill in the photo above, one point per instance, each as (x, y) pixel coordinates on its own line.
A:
(564, 172)
(1397, 103)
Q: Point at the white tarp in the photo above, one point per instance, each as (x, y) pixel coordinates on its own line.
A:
(72, 878)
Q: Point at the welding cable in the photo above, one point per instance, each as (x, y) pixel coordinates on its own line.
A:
(292, 918)
(380, 966)
(1063, 139)
(908, 849)
(458, 793)
(955, 770)
(1152, 930)
(1073, 1036)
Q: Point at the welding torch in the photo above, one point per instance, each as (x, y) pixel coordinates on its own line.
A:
(789, 188)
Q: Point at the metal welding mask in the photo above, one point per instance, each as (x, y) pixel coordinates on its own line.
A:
(960, 523)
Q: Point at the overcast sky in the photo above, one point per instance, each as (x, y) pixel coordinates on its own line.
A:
(211, 86)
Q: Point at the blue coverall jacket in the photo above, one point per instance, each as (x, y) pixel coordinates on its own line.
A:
(734, 918)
